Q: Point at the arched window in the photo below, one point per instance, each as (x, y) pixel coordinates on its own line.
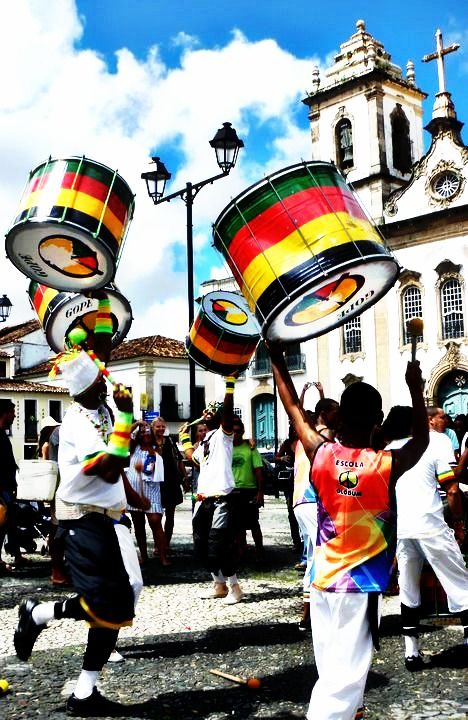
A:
(411, 307)
(451, 301)
(401, 143)
(344, 144)
(352, 338)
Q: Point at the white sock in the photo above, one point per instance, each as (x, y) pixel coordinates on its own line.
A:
(232, 579)
(219, 578)
(85, 685)
(43, 613)
(411, 646)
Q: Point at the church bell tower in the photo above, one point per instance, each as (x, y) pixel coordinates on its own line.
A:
(367, 119)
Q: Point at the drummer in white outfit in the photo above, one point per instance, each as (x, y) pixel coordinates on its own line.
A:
(423, 533)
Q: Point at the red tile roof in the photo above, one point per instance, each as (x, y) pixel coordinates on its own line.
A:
(152, 345)
(11, 386)
(13, 333)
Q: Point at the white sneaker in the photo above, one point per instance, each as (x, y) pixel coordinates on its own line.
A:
(116, 657)
(219, 590)
(234, 595)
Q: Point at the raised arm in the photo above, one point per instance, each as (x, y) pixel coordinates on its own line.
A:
(109, 465)
(227, 416)
(287, 392)
(404, 458)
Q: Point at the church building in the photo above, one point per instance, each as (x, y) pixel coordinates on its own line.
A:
(366, 117)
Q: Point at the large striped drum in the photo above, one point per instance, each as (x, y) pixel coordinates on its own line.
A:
(304, 252)
(224, 334)
(70, 225)
(60, 312)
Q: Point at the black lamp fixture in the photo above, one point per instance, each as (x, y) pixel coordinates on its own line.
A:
(5, 308)
(156, 180)
(226, 145)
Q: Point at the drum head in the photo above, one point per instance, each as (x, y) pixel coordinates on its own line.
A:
(60, 256)
(64, 311)
(229, 312)
(333, 301)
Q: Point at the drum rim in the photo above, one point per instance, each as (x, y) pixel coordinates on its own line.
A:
(13, 232)
(113, 292)
(251, 317)
(264, 180)
(378, 295)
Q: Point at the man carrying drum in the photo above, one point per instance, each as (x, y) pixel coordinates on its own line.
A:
(99, 550)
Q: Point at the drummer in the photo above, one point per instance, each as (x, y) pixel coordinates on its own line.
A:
(213, 526)
(423, 534)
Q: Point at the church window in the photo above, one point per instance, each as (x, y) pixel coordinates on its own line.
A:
(446, 184)
(344, 144)
(451, 299)
(401, 142)
(352, 338)
(411, 308)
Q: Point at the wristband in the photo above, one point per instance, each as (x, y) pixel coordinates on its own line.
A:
(185, 441)
(119, 441)
(230, 384)
(103, 317)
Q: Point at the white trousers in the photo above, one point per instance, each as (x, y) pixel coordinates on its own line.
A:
(306, 516)
(444, 556)
(130, 559)
(343, 652)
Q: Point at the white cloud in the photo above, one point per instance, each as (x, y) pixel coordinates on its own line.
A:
(58, 100)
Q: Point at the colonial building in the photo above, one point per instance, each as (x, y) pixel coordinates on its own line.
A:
(21, 348)
(366, 117)
(156, 370)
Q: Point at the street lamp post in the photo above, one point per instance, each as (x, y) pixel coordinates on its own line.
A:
(226, 145)
(5, 308)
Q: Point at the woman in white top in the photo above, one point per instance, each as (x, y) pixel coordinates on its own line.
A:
(145, 474)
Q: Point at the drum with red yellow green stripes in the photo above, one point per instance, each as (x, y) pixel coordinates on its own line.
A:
(303, 251)
(71, 224)
(224, 334)
(60, 312)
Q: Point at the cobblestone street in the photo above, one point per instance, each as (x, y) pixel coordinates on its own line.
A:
(177, 638)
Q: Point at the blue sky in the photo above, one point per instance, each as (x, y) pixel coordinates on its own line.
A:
(121, 81)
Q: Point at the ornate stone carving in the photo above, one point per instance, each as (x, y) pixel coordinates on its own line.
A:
(407, 276)
(453, 359)
(447, 267)
(444, 184)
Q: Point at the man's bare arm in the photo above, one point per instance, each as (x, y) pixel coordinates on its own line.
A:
(287, 392)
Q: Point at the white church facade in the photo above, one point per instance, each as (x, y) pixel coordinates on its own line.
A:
(367, 118)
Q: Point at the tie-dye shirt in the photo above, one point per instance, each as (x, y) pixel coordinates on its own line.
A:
(356, 519)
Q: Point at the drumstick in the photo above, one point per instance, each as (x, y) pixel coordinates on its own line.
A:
(251, 682)
(106, 372)
(414, 328)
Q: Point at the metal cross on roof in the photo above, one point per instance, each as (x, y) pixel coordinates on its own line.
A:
(439, 56)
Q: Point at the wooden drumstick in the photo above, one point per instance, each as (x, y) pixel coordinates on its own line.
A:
(251, 682)
(414, 328)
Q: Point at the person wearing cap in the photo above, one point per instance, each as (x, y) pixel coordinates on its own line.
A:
(99, 550)
(213, 523)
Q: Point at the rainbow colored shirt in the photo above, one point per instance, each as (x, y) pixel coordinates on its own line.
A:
(356, 523)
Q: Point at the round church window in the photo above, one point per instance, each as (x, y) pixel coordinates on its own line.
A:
(446, 184)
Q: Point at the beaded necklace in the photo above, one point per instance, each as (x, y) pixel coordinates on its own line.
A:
(102, 425)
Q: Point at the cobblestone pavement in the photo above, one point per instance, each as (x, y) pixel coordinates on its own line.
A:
(177, 638)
